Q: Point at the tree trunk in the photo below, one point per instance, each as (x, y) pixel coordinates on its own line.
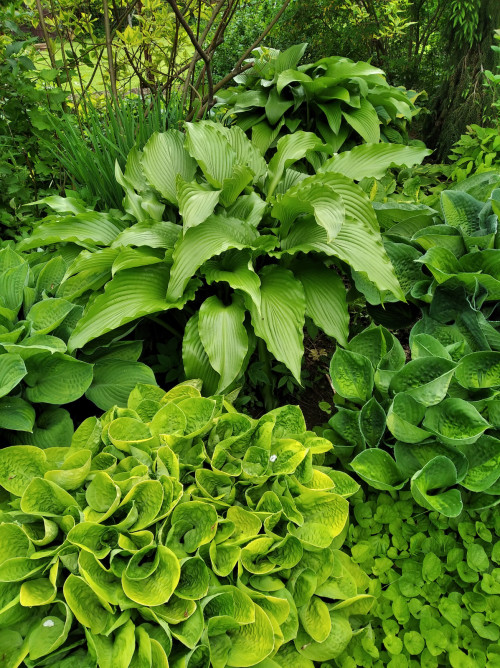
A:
(462, 98)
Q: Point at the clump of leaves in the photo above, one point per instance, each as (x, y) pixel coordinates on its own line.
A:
(177, 531)
(476, 152)
(431, 424)
(205, 213)
(340, 100)
(437, 585)
(38, 312)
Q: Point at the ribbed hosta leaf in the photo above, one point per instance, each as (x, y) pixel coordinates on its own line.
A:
(163, 159)
(360, 247)
(12, 371)
(207, 144)
(365, 121)
(16, 414)
(161, 234)
(224, 337)
(89, 230)
(131, 294)
(373, 160)
(114, 380)
(214, 236)
(235, 268)
(196, 202)
(195, 358)
(280, 321)
(325, 294)
(56, 379)
(311, 196)
(290, 149)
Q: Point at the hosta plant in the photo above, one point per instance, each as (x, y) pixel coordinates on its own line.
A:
(446, 259)
(340, 100)
(430, 424)
(37, 374)
(206, 216)
(177, 532)
(437, 583)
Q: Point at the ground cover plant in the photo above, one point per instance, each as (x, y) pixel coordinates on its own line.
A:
(177, 531)
(206, 208)
(343, 101)
(436, 581)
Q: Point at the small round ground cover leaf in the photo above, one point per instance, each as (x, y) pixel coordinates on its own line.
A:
(426, 379)
(143, 539)
(352, 375)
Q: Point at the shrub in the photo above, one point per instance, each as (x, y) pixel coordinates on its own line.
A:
(206, 213)
(340, 100)
(178, 531)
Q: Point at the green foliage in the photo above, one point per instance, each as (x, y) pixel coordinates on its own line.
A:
(27, 169)
(37, 316)
(437, 585)
(107, 134)
(177, 531)
(430, 423)
(342, 101)
(206, 209)
(476, 152)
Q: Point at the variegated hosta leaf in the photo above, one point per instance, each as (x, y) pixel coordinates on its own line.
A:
(134, 535)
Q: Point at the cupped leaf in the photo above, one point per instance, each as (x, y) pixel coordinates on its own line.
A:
(12, 371)
(425, 379)
(57, 379)
(426, 486)
(455, 422)
(351, 375)
(479, 370)
(378, 469)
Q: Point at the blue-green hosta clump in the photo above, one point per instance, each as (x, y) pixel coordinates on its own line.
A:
(437, 584)
(431, 424)
(204, 213)
(177, 532)
(37, 374)
(343, 101)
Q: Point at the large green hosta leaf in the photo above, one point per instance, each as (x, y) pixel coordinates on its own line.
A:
(12, 371)
(235, 268)
(212, 237)
(224, 337)
(290, 149)
(89, 230)
(311, 196)
(163, 159)
(207, 144)
(131, 294)
(359, 246)
(114, 380)
(325, 295)
(56, 379)
(373, 160)
(195, 358)
(365, 121)
(281, 317)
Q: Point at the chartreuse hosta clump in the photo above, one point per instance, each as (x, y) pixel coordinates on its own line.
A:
(177, 532)
(431, 424)
(437, 583)
(37, 316)
(239, 229)
(340, 100)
